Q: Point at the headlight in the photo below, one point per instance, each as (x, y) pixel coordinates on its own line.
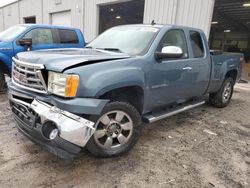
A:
(64, 85)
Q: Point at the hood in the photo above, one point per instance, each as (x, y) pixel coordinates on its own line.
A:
(61, 59)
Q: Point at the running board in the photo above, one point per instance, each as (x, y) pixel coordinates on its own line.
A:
(155, 117)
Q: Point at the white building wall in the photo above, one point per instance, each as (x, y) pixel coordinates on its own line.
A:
(85, 13)
(192, 13)
(195, 13)
(30, 8)
(91, 19)
(1, 20)
(10, 15)
(161, 11)
(54, 6)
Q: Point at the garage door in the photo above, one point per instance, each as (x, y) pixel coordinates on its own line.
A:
(61, 18)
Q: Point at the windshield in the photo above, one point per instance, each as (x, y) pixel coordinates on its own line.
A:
(133, 40)
(12, 32)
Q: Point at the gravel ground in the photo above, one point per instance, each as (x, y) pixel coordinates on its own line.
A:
(204, 147)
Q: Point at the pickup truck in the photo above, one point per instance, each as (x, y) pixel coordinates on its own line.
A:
(97, 97)
(19, 38)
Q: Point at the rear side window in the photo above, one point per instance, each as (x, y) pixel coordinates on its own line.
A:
(67, 36)
(197, 44)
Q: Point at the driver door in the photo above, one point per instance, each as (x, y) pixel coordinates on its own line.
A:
(171, 79)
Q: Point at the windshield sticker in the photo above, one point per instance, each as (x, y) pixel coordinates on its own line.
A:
(149, 29)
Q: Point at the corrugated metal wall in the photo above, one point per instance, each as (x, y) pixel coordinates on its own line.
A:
(10, 15)
(1, 20)
(16, 12)
(30, 8)
(74, 6)
(91, 16)
(162, 11)
(193, 13)
(85, 13)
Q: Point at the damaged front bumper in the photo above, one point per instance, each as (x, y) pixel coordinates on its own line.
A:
(61, 132)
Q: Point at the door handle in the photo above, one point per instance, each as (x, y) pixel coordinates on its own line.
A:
(187, 68)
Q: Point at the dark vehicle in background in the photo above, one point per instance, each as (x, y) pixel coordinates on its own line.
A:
(98, 96)
(19, 38)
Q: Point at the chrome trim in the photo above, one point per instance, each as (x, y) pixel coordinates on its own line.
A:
(187, 68)
(12, 92)
(152, 118)
(72, 128)
(29, 85)
(40, 76)
(11, 98)
(31, 65)
(24, 87)
(28, 72)
(28, 76)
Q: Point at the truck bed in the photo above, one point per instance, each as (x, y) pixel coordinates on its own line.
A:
(222, 63)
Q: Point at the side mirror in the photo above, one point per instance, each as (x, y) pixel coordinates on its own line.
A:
(25, 42)
(169, 52)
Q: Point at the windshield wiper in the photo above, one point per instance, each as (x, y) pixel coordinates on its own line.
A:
(107, 49)
(111, 49)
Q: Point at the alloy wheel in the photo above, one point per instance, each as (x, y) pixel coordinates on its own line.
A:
(227, 92)
(113, 129)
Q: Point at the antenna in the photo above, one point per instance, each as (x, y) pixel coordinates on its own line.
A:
(153, 22)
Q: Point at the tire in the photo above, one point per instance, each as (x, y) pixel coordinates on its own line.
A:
(222, 98)
(117, 130)
(2, 82)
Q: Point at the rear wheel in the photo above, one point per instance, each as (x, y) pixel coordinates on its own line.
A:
(117, 130)
(222, 97)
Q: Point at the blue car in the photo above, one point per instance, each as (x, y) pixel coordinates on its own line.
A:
(25, 37)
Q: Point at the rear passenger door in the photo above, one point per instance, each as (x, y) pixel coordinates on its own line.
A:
(200, 64)
(67, 38)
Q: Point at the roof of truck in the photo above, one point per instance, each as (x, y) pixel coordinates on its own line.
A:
(159, 26)
(46, 25)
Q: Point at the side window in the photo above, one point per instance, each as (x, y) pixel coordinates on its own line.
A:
(68, 36)
(175, 38)
(40, 36)
(197, 44)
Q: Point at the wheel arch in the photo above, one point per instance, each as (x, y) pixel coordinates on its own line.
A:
(132, 94)
(233, 74)
(4, 68)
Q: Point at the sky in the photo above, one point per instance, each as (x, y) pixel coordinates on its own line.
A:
(5, 2)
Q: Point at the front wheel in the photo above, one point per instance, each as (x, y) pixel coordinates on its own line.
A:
(222, 97)
(117, 130)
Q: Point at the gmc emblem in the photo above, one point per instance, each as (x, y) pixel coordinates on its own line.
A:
(20, 77)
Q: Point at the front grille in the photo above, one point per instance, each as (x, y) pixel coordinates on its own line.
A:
(24, 113)
(29, 76)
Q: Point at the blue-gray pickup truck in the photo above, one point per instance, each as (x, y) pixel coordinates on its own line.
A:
(97, 97)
